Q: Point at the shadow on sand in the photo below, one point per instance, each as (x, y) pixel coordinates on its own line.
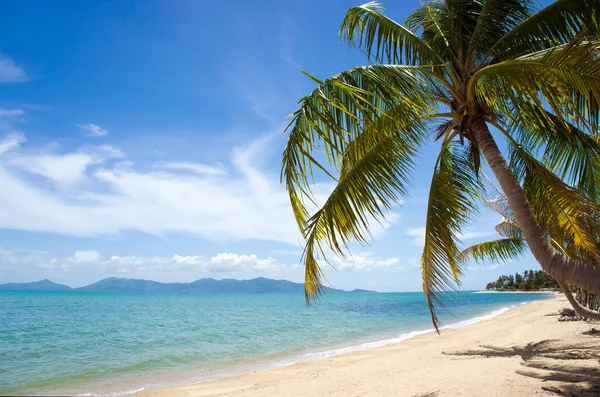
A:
(566, 367)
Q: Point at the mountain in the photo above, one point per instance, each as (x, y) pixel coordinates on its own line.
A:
(43, 285)
(203, 285)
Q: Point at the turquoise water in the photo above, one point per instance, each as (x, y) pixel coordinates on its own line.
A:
(83, 343)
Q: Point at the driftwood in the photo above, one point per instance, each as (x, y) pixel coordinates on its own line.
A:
(592, 331)
(567, 314)
(552, 389)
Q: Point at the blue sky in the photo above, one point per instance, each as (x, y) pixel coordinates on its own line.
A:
(143, 140)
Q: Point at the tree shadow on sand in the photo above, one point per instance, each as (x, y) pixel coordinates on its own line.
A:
(568, 368)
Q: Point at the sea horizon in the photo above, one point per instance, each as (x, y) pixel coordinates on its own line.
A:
(110, 343)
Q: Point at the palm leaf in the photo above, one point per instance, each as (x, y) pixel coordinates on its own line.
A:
(508, 228)
(432, 20)
(452, 201)
(495, 251)
(384, 40)
(375, 173)
(496, 19)
(568, 151)
(554, 202)
(554, 25)
(567, 78)
(338, 111)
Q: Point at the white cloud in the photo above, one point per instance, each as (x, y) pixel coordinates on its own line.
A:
(98, 196)
(92, 129)
(419, 235)
(471, 234)
(10, 72)
(198, 168)
(86, 260)
(228, 261)
(368, 262)
(11, 113)
(11, 141)
(85, 257)
(62, 169)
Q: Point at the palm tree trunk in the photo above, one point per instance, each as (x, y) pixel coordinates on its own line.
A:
(558, 265)
(578, 307)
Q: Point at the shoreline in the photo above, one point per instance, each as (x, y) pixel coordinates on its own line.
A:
(551, 292)
(306, 378)
(286, 360)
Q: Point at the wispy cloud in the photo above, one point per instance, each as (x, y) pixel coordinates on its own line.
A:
(96, 190)
(92, 129)
(11, 141)
(471, 234)
(11, 113)
(106, 197)
(197, 168)
(10, 72)
(286, 35)
(418, 234)
(61, 169)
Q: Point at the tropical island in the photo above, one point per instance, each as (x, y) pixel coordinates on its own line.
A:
(530, 280)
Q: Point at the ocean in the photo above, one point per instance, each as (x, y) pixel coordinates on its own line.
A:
(84, 343)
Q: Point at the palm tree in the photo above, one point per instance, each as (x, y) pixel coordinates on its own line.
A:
(453, 70)
(512, 245)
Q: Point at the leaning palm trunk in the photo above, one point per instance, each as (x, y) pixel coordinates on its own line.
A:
(512, 245)
(558, 265)
(580, 309)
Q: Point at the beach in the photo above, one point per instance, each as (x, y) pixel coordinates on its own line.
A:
(525, 351)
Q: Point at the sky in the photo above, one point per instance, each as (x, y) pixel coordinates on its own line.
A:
(144, 140)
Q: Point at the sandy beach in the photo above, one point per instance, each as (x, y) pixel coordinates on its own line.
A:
(523, 352)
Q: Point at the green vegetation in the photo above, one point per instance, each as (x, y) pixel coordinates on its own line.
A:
(452, 71)
(530, 280)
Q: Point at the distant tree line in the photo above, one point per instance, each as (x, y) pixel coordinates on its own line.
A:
(530, 280)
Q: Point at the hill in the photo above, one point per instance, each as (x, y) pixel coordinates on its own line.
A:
(203, 285)
(42, 285)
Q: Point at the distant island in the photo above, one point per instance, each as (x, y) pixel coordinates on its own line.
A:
(531, 280)
(203, 285)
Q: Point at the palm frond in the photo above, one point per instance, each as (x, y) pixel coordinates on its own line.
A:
(338, 111)
(567, 79)
(495, 251)
(496, 19)
(375, 172)
(508, 228)
(557, 206)
(452, 202)
(568, 151)
(432, 20)
(554, 25)
(500, 205)
(383, 39)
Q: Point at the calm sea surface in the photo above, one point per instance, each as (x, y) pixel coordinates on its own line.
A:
(83, 343)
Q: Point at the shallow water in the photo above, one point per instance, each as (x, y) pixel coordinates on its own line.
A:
(107, 343)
